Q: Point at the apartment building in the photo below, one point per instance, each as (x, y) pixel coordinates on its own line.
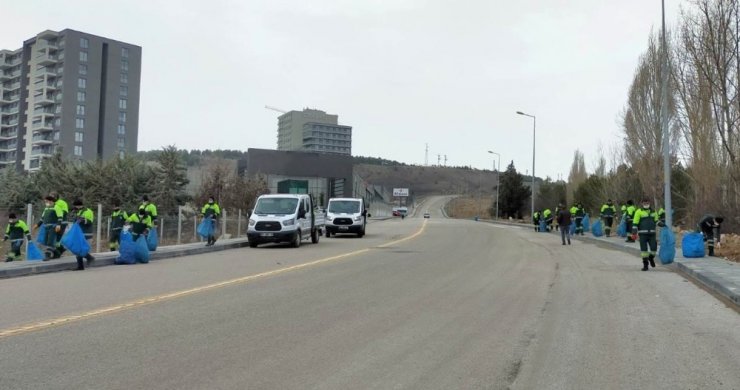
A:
(69, 92)
(313, 131)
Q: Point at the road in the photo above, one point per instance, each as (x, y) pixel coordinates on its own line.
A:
(415, 304)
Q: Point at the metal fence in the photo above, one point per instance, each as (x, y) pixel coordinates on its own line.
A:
(171, 229)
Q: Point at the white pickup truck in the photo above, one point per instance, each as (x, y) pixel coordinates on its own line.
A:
(288, 218)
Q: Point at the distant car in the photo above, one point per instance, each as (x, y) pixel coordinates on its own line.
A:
(426, 215)
(396, 213)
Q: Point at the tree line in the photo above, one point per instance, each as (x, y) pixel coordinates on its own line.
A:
(703, 109)
(162, 177)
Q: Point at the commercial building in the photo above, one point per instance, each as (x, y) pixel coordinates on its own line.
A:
(313, 131)
(68, 92)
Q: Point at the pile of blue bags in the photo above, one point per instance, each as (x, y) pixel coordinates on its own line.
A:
(75, 242)
(586, 223)
(130, 252)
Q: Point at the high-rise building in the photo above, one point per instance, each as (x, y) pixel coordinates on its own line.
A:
(314, 131)
(68, 92)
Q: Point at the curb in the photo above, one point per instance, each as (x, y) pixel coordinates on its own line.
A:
(688, 268)
(103, 259)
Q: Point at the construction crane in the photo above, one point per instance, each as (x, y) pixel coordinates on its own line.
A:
(276, 109)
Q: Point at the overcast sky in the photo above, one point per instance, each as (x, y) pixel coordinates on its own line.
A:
(402, 73)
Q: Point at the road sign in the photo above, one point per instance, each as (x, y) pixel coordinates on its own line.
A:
(400, 192)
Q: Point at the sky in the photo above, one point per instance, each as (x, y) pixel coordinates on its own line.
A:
(402, 73)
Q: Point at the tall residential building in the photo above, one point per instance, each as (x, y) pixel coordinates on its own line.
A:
(71, 92)
(314, 131)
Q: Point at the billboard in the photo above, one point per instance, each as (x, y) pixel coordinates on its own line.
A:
(400, 192)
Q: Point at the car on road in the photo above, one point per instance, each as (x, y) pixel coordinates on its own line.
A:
(346, 215)
(284, 218)
(427, 215)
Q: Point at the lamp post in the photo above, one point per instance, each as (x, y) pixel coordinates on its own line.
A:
(534, 131)
(665, 128)
(498, 176)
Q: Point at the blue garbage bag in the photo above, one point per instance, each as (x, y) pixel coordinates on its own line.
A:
(622, 229)
(141, 250)
(75, 242)
(41, 236)
(586, 223)
(152, 240)
(692, 245)
(572, 228)
(205, 228)
(127, 249)
(597, 229)
(33, 253)
(543, 226)
(667, 250)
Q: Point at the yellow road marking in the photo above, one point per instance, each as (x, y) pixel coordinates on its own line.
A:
(19, 330)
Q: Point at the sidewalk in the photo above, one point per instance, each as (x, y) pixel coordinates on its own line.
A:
(23, 268)
(717, 274)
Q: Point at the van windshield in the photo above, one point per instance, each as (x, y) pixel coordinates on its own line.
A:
(276, 206)
(344, 206)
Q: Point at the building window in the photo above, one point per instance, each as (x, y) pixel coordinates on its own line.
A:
(83, 56)
(57, 122)
(78, 150)
(80, 123)
(58, 108)
(122, 117)
(81, 96)
(122, 104)
(80, 109)
(124, 66)
(84, 43)
(121, 143)
(121, 154)
(124, 78)
(79, 136)
(124, 90)
(83, 69)
(124, 52)
(121, 129)
(82, 83)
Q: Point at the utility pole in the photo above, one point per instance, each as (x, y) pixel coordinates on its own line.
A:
(665, 128)
(426, 156)
(445, 160)
(439, 156)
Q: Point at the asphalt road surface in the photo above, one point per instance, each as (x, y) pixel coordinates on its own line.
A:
(417, 304)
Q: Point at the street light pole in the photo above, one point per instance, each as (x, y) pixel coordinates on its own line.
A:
(498, 179)
(534, 132)
(665, 128)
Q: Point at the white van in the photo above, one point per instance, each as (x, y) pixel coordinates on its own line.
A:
(284, 218)
(346, 215)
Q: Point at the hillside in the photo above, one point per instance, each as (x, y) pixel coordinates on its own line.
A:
(429, 180)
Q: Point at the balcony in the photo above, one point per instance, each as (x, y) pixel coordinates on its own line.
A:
(46, 73)
(43, 99)
(8, 146)
(5, 76)
(41, 139)
(43, 112)
(7, 124)
(8, 134)
(43, 125)
(45, 45)
(46, 150)
(46, 59)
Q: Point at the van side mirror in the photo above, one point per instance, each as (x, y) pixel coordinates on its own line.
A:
(368, 215)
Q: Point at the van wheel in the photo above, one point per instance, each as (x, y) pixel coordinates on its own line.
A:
(315, 235)
(253, 244)
(296, 239)
(327, 233)
(361, 233)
